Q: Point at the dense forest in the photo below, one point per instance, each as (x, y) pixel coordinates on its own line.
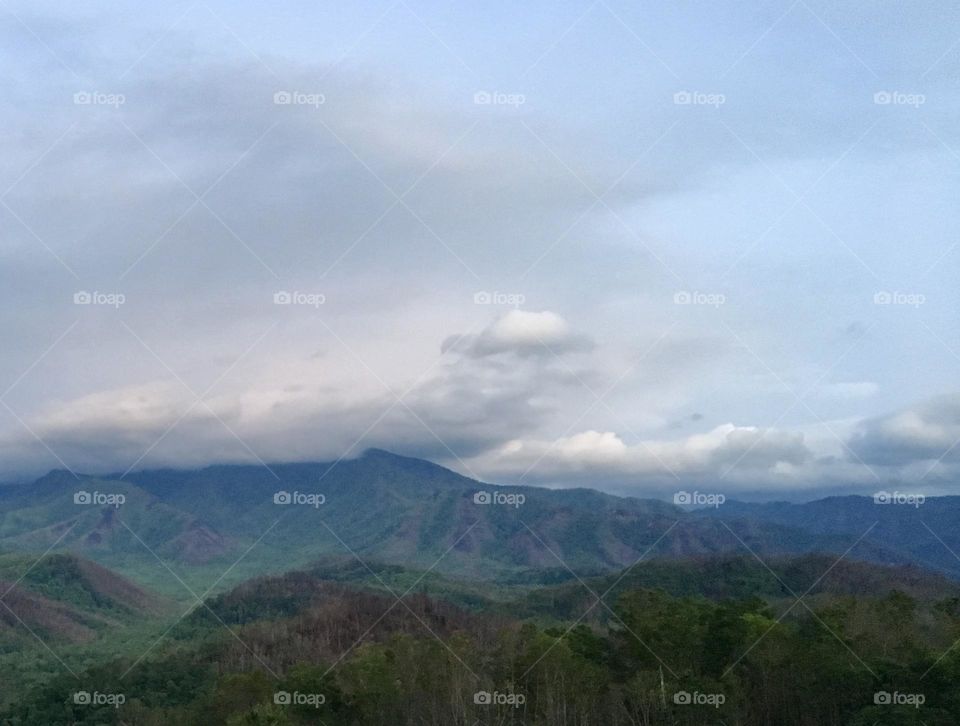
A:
(303, 649)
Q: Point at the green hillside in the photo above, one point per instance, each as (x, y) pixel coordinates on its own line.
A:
(352, 655)
(221, 525)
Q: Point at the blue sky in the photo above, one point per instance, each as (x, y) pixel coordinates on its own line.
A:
(722, 239)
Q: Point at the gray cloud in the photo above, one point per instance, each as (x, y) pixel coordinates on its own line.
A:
(924, 432)
(523, 333)
(300, 198)
(463, 406)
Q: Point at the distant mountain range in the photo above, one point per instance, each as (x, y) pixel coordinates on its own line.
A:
(410, 512)
(924, 532)
(312, 566)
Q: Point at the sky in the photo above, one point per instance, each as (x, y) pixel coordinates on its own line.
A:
(635, 247)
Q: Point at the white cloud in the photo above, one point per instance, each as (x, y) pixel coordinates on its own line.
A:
(743, 450)
(523, 333)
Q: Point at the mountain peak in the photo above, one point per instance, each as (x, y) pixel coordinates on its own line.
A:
(410, 464)
(374, 452)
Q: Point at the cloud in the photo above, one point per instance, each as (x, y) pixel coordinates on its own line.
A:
(522, 333)
(745, 451)
(296, 192)
(484, 407)
(927, 431)
(303, 197)
(463, 405)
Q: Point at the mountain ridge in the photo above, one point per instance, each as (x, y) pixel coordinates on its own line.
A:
(408, 511)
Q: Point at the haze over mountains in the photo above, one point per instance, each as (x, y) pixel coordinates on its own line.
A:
(395, 509)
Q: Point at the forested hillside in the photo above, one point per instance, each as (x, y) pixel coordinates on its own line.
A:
(304, 649)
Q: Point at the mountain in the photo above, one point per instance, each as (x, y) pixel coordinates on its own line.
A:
(167, 528)
(925, 531)
(62, 596)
